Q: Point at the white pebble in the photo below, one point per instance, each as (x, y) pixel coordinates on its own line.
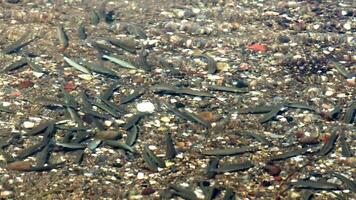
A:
(140, 175)
(145, 107)
(329, 93)
(108, 123)
(6, 104)
(6, 193)
(347, 26)
(28, 124)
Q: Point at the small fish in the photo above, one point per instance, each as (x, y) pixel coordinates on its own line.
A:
(81, 136)
(20, 43)
(106, 108)
(70, 145)
(350, 113)
(40, 128)
(125, 45)
(75, 116)
(151, 160)
(345, 149)
(315, 185)
(81, 32)
(43, 156)
(290, 154)
(212, 167)
(132, 135)
(93, 113)
(183, 192)
(150, 164)
(142, 60)
(195, 118)
(47, 167)
(187, 115)
(76, 65)
(62, 37)
(157, 160)
(35, 67)
(170, 149)
(233, 167)
(349, 183)
(102, 47)
(71, 128)
(300, 106)
(133, 120)
(116, 144)
(342, 70)
(257, 110)
(30, 150)
(328, 146)
(136, 31)
(270, 115)
(106, 94)
(227, 89)
(134, 95)
(120, 62)
(212, 65)
(16, 65)
(114, 106)
(228, 152)
(99, 68)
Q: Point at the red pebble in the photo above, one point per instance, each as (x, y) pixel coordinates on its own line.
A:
(25, 84)
(257, 48)
(148, 191)
(299, 134)
(69, 86)
(309, 140)
(278, 178)
(15, 94)
(325, 138)
(272, 170)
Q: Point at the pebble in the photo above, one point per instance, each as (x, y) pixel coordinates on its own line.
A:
(329, 93)
(19, 166)
(145, 107)
(148, 191)
(140, 175)
(108, 123)
(272, 170)
(165, 119)
(347, 26)
(86, 77)
(351, 81)
(28, 124)
(6, 193)
(222, 66)
(208, 116)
